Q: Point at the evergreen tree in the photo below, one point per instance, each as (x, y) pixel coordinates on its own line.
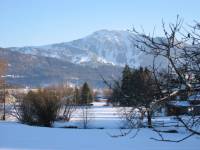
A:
(138, 89)
(76, 96)
(116, 96)
(86, 94)
(126, 87)
(144, 90)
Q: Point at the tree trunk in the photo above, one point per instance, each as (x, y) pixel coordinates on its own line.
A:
(149, 119)
(4, 102)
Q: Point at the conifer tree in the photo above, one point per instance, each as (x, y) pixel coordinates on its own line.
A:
(143, 90)
(77, 96)
(126, 86)
(86, 94)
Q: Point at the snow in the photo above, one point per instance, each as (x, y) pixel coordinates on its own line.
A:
(194, 97)
(180, 103)
(99, 117)
(18, 136)
(12, 76)
(103, 123)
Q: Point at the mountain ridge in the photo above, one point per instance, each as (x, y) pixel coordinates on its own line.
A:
(105, 50)
(114, 47)
(38, 71)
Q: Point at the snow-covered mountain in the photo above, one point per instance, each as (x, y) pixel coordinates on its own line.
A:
(101, 47)
(116, 47)
(39, 71)
(102, 52)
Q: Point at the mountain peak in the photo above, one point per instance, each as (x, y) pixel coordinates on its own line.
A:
(114, 47)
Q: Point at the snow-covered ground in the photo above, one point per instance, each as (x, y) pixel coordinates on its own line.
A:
(99, 116)
(18, 136)
(14, 135)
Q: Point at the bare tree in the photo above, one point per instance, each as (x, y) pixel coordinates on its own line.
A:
(181, 51)
(69, 107)
(86, 115)
(3, 67)
(68, 97)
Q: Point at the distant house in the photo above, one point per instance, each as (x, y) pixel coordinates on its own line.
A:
(190, 106)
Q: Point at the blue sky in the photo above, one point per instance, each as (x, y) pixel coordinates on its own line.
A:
(40, 22)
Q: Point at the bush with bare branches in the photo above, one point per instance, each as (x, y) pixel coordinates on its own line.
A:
(39, 108)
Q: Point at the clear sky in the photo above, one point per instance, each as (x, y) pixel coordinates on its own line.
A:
(40, 22)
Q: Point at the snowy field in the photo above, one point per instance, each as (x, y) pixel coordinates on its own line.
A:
(18, 136)
(14, 135)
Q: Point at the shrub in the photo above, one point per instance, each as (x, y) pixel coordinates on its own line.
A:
(39, 108)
